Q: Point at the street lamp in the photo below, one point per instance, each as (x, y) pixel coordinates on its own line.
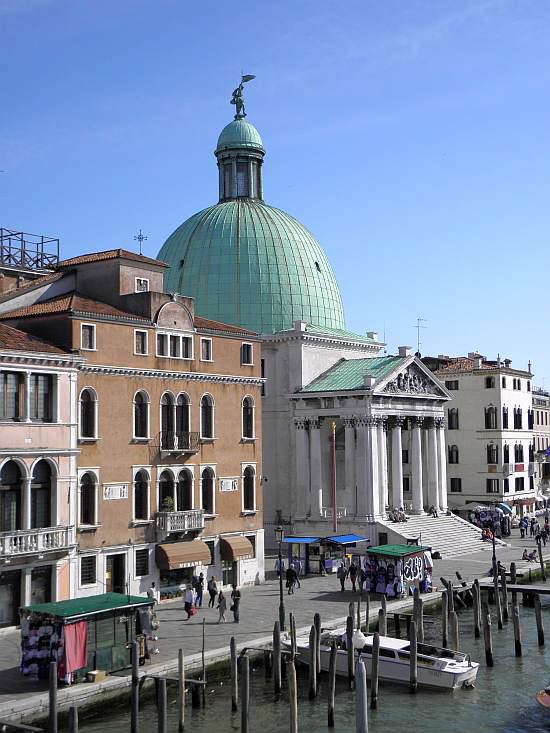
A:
(279, 535)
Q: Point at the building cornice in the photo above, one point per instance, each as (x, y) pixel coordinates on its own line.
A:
(319, 339)
(70, 361)
(166, 374)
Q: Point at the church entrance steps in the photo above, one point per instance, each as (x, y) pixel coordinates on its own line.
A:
(448, 534)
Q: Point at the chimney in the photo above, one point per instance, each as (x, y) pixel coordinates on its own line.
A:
(404, 351)
(372, 335)
(300, 325)
(368, 381)
(507, 362)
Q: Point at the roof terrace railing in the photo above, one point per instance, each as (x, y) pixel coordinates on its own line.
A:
(28, 251)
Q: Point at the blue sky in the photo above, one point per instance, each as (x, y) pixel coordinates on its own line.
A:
(412, 138)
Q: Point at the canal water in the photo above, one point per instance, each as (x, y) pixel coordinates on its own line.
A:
(502, 700)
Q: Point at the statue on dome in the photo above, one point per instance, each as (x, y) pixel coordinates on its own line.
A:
(237, 98)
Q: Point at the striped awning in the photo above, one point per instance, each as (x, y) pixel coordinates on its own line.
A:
(176, 555)
(236, 547)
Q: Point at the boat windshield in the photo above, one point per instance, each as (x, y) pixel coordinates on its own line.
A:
(433, 651)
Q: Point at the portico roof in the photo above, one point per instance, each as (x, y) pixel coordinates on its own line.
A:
(349, 374)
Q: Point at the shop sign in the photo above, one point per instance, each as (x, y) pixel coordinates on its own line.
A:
(229, 484)
(115, 491)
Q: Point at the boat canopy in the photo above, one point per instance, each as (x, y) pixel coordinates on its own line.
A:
(396, 550)
(346, 539)
(290, 540)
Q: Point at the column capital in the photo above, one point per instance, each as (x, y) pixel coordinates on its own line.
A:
(397, 422)
(439, 423)
(417, 421)
(300, 423)
(349, 422)
(361, 421)
(314, 423)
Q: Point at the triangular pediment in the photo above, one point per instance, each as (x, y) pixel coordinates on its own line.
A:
(411, 379)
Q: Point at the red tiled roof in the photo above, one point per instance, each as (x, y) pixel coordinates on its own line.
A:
(70, 303)
(12, 339)
(43, 280)
(209, 325)
(465, 364)
(111, 254)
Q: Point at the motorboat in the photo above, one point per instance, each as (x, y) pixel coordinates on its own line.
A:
(436, 667)
(543, 698)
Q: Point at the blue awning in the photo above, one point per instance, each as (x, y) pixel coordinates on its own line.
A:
(346, 539)
(301, 540)
(504, 507)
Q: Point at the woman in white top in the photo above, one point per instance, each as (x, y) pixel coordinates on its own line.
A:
(188, 601)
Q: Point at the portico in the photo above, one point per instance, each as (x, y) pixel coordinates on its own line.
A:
(390, 443)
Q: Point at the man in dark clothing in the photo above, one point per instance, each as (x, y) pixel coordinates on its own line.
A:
(290, 579)
(353, 575)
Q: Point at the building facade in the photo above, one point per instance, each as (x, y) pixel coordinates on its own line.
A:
(490, 421)
(541, 440)
(38, 471)
(169, 436)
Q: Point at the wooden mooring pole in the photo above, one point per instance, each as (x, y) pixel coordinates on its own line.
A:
(181, 690)
(504, 588)
(349, 647)
(374, 672)
(312, 670)
(245, 692)
(487, 635)
(477, 608)
(134, 695)
(361, 707)
(445, 618)
(52, 696)
(332, 684)
(498, 604)
(162, 706)
(317, 623)
(203, 662)
(538, 618)
(73, 719)
(413, 655)
(293, 696)
(277, 676)
(513, 582)
(517, 629)
(234, 673)
(541, 561)
(397, 625)
(359, 613)
(418, 612)
(453, 623)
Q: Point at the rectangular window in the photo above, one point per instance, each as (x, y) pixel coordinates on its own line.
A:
(506, 483)
(211, 546)
(87, 336)
(262, 368)
(519, 483)
(491, 485)
(41, 397)
(456, 485)
(175, 347)
(206, 349)
(187, 347)
(451, 384)
(503, 382)
(246, 354)
(528, 386)
(489, 382)
(11, 395)
(505, 418)
(406, 483)
(162, 344)
(404, 456)
(142, 562)
(140, 342)
(142, 285)
(252, 539)
(88, 570)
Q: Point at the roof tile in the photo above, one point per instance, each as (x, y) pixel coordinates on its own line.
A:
(12, 339)
(70, 303)
(110, 254)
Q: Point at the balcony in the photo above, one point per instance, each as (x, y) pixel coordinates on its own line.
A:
(33, 541)
(187, 521)
(176, 441)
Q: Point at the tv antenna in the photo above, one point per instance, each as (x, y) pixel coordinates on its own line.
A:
(419, 322)
(140, 238)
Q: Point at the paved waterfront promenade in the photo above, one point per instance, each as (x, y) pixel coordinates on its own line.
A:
(259, 610)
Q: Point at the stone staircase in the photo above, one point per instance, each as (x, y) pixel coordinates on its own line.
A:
(448, 534)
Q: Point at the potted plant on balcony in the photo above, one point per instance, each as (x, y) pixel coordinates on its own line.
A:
(168, 504)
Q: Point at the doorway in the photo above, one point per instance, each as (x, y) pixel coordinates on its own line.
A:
(115, 573)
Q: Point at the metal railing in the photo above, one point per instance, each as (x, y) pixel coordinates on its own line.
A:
(327, 512)
(29, 251)
(180, 521)
(29, 541)
(176, 441)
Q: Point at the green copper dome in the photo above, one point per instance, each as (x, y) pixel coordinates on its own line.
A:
(247, 263)
(239, 134)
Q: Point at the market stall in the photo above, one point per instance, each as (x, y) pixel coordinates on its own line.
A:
(340, 547)
(392, 570)
(84, 634)
(304, 552)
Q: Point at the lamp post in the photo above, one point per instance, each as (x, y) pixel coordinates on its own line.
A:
(279, 534)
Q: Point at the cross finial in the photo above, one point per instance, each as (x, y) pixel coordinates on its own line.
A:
(140, 238)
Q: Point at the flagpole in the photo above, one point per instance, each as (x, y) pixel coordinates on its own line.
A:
(334, 512)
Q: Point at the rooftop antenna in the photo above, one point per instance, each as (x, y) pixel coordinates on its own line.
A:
(140, 238)
(418, 326)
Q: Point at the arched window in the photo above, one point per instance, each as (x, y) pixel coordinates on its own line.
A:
(41, 495)
(492, 453)
(184, 491)
(88, 413)
(141, 495)
(506, 453)
(10, 497)
(183, 421)
(518, 453)
(207, 491)
(207, 416)
(531, 452)
(249, 489)
(504, 417)
(452, 416)
(167, 436)
(166, 492)
(453, 454)
(88, 490)
(141, 415)
(248, 417)
(518, 418)
(490, 418)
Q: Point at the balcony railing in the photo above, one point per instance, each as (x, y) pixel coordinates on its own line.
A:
(327, 512)
(176, 441)
(29, 541)
(180, 521)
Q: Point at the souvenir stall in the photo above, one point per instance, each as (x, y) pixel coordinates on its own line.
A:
(340, 547)
(84, 634)
(304, 552)
(392, 570)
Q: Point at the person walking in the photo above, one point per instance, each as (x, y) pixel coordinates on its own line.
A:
(298, 568)
(290, 578)
(362, 576)
(532, 527)
(153, 593)
(341, 574)
(235, 602)
(213, 591)
(279, 566)
(222, 607)
(188, 602)
(199, 591)
(353, 575)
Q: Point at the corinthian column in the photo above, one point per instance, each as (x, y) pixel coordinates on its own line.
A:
(442, 464)
(397, 462)
(361, 481)
(382, 465)
(316, 467)
(349, 440)
(373, 496)
(302, 468)
(433, 461)
(416, 459)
